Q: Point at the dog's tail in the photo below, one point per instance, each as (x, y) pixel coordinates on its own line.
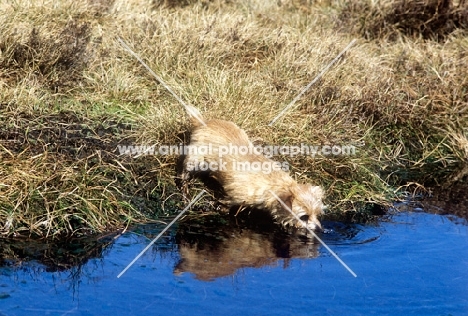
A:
(195, 116)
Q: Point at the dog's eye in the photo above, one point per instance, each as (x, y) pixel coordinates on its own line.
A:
(304, 218)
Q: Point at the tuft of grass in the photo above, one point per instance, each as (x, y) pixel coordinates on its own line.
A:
(70, 95)
(61, 175)
(429, 19)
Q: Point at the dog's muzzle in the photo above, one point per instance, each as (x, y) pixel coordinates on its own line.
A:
(307, 222)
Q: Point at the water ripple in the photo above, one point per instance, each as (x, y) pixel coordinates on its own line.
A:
(336, 233)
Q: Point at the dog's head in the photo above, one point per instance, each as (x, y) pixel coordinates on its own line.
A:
(305, 201)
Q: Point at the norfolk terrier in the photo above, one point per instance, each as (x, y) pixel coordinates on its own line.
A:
(243, 185)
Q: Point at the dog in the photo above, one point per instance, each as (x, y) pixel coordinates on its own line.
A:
(244, 187)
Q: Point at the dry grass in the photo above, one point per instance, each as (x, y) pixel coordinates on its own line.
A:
(429, 19)
(70, 94)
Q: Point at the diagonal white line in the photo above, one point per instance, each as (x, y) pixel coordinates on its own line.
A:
(161, 233)
(313, 234)
(159, 79)
(311, 83)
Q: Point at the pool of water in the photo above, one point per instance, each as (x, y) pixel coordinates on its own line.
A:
(409, 263)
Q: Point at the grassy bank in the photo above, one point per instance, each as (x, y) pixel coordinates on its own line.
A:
(70, 95)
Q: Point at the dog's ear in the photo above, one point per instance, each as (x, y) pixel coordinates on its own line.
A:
(316, 192)
(287, 198)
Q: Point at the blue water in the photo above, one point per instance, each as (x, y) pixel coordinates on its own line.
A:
(409, 264)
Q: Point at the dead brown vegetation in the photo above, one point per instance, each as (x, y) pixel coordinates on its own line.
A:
(56, 60)
(429, 19)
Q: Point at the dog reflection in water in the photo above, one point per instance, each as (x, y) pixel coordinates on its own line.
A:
(208, 258)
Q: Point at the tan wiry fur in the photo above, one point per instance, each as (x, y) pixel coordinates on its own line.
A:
(237, 249)
(252, 188)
